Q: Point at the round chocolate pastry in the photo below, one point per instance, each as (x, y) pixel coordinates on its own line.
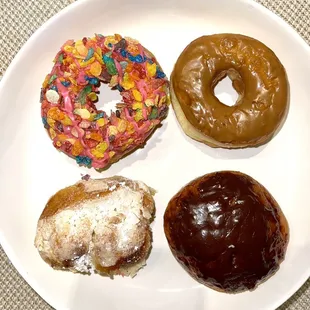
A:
(257, 76)
(227, 231)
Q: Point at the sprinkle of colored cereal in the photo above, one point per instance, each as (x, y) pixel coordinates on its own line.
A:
(81, 49)
(122, 125)
(90, 54)
(97, 154)
(77, 148)
(51, 122)
(95, 68)
(128, 83)
(93, 96)
(149, 102)
(83, 160)
(137, 95)
(66, 121)
(113, 131)
(102, 147)
(151, 69)
(52, 133)
(100, 122)
(84, 113)
(52, 96)
(95, 136)
(114, 81)
(109, 62)
(55, 114)
(138, 115)
(52, 79)
(137, 105)
(111, 154)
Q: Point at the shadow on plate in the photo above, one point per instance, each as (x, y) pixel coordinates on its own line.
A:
(228, 154)
(137, 154)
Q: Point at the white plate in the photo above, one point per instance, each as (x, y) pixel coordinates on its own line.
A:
(31, 170)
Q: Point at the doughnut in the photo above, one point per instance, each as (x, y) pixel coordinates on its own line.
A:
(227, 231)
(70, 92)
(97, 226)
(258, 77)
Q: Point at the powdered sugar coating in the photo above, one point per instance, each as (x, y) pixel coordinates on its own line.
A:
(100, 232)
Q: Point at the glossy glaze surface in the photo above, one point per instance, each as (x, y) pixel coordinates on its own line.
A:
(227, 231)
(257, 75)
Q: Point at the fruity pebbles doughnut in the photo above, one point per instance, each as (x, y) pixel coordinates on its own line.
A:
(69, 95)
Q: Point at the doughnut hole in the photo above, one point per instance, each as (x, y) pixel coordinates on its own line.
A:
(228, 87)
(108, 99)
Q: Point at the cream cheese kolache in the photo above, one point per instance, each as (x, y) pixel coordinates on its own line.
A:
(98, 226)
(257, 76)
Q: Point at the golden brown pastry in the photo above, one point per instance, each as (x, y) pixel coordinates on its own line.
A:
(257, 76)
(227, 231)
(98, 226)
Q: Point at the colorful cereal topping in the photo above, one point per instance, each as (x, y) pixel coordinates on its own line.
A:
(70, 92)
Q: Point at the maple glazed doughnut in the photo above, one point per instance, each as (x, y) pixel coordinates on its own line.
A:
(257, 76)
(69, 94)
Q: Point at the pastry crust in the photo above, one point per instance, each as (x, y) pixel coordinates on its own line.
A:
(98, 226)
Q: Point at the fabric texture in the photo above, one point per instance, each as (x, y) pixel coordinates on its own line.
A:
(18, 20)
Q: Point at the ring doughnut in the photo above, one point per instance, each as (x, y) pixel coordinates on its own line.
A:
(257, 76)
(69, 95)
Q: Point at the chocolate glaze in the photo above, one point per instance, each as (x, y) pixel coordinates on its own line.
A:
(257, 75)
(227, 231)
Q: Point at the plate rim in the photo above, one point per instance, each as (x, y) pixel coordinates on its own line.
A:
(9, 251)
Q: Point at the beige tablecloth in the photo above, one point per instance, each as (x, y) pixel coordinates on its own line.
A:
(18, 20)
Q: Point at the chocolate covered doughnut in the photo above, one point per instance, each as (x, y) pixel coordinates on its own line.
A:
(258, 77)
(227, 231)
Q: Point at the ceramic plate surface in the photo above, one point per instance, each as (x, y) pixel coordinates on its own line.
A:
(31, 170)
